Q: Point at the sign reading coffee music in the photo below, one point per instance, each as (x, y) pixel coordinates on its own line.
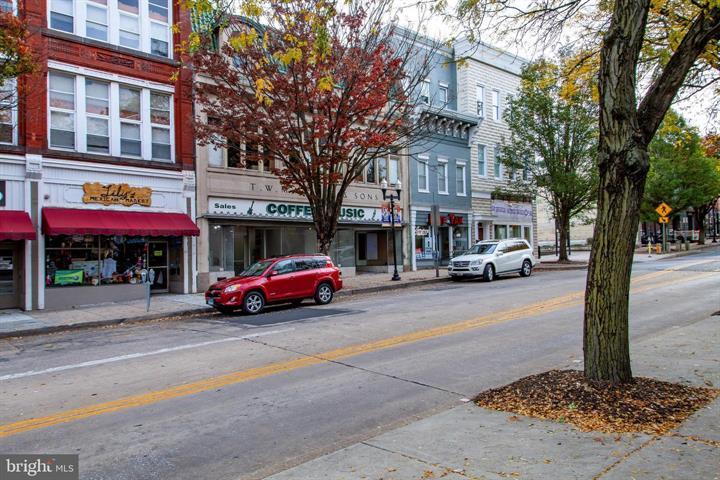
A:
(116, 194)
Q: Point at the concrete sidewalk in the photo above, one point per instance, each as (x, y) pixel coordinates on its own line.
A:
(641, 254)
(18, 323)
(468, 442)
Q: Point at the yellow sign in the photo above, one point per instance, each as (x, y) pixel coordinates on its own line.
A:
(663, 210)
(664, 220)
(116, 194)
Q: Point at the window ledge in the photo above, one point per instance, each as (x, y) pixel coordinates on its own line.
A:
(90, 157)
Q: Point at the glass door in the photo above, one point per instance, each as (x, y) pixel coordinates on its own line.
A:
(158, 261)
(9, 276)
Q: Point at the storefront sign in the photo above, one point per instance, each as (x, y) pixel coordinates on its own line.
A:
(116, 194)
(281, 210)
(422, 232)
(517, 212)
(452, 220)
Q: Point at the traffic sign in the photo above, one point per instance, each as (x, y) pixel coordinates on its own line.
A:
(664, 220)
(663, 210)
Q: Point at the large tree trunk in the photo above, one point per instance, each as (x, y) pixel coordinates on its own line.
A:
(563, 223)
(606, 340)
(700, 216)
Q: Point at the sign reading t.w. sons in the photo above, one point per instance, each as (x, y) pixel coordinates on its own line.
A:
(39, 467)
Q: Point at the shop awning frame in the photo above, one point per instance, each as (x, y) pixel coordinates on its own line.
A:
(16, 225)
(70, 221)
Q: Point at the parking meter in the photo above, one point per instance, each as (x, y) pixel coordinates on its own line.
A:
(148, 284)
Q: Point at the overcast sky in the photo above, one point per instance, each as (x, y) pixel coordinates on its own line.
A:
(696, 111)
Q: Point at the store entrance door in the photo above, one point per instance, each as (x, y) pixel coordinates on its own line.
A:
(10, 274)
(158, 261)
(444, 234)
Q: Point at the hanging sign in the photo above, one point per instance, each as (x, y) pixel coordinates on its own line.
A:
(116, 194)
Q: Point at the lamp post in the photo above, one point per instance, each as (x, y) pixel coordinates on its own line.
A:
(398, 188)
(715, 220)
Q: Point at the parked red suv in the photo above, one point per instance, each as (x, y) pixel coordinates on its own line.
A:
(291, 278)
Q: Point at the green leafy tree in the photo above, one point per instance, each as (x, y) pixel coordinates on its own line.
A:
(681, 174)
(553, 142)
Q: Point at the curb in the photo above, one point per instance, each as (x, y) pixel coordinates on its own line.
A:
(102, 323)
(392, 286)
(559, 267)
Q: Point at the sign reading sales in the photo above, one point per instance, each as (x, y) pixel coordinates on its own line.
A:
(265, 209)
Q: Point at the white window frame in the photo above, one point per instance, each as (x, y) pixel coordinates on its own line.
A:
(423, 166)
(425, 92)
(459, 164)
(480, 100)
(443, 164)
(497, 165)
(113, 26)
(482, 148)
(444, 89)
(13, 112)
(115, 81)
(496, 105)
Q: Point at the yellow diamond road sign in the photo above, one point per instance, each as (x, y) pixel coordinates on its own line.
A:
(663, 210)
(664, 220)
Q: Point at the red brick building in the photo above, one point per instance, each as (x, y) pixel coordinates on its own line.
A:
(99, 153)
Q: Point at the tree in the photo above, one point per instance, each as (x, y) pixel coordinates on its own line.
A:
(323, 90)
(681, 174)
(673, 45)
(553, 142)
(16, 59)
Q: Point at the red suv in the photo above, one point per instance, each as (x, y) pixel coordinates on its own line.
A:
(292, 278)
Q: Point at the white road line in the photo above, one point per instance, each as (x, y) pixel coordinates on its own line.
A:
(131, 356)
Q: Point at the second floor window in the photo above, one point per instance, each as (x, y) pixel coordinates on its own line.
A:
(443, 95)
(496, 105)
(8, 111)
(482, 163)
(7, 6)
(137, 24)
(94, 115)
(460, 179)
(480, 100)
(423, 176)
(442, 176)
(425, 92)
(498, 163)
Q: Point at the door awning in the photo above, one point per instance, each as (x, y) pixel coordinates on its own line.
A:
(69, 221)
(16, 225)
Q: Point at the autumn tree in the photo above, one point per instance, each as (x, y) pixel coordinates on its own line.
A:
(318, 91)
(553, 142)
(647, 52)
(16, 59)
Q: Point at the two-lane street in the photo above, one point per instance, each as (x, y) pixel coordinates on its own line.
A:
(234, 396)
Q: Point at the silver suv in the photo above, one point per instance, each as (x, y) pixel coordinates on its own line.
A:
(491, 258)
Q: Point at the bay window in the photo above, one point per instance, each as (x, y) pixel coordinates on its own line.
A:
(100, 116)
(137, 24)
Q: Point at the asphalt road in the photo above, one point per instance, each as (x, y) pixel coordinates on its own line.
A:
(243, 397)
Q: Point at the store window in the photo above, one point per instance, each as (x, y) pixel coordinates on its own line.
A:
(94, 260)
(85, 114)
(221, 242)
(500, 232)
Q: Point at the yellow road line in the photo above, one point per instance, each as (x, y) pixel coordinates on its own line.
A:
(538, 308)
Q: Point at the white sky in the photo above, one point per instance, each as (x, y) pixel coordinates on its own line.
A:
(696, 110)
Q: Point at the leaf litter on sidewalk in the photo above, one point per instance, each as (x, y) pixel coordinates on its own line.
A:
(643, 405)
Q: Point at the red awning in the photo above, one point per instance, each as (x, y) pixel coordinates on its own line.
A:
(16, 225)
(68, 221)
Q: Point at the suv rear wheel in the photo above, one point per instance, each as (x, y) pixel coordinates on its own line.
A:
(323, 294)
(489, 273)
(526, 269)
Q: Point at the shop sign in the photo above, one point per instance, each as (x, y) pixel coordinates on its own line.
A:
(452, 220)
(116, 194)
(266, 209)
(520, 212)
(2, 193)
(422, 232)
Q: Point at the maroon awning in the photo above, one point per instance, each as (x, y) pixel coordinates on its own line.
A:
(68, 221)
(16, 225)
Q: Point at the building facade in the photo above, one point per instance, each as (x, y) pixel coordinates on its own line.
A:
(100, 160)
(486, 81)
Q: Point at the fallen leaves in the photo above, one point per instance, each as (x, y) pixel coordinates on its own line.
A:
(643, 405)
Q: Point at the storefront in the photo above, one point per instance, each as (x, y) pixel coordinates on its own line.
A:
(102, 240)
(506, 220)
(453, 237)
(16, 229)
(242, 231)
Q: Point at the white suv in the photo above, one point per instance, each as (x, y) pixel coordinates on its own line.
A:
(491, 258)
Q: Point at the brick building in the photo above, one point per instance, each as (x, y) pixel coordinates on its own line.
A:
(99, 157)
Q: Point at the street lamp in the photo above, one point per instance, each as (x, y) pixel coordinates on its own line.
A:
(398, 188)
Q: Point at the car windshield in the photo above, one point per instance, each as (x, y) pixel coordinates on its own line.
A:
(256, 269)
(482, 249)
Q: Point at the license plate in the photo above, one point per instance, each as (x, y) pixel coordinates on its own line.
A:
(210, 301)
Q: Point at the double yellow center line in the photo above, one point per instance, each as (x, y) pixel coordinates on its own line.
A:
(212, 383)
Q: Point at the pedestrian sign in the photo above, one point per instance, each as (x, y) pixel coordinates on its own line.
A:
(664, 220)
(663, 210)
